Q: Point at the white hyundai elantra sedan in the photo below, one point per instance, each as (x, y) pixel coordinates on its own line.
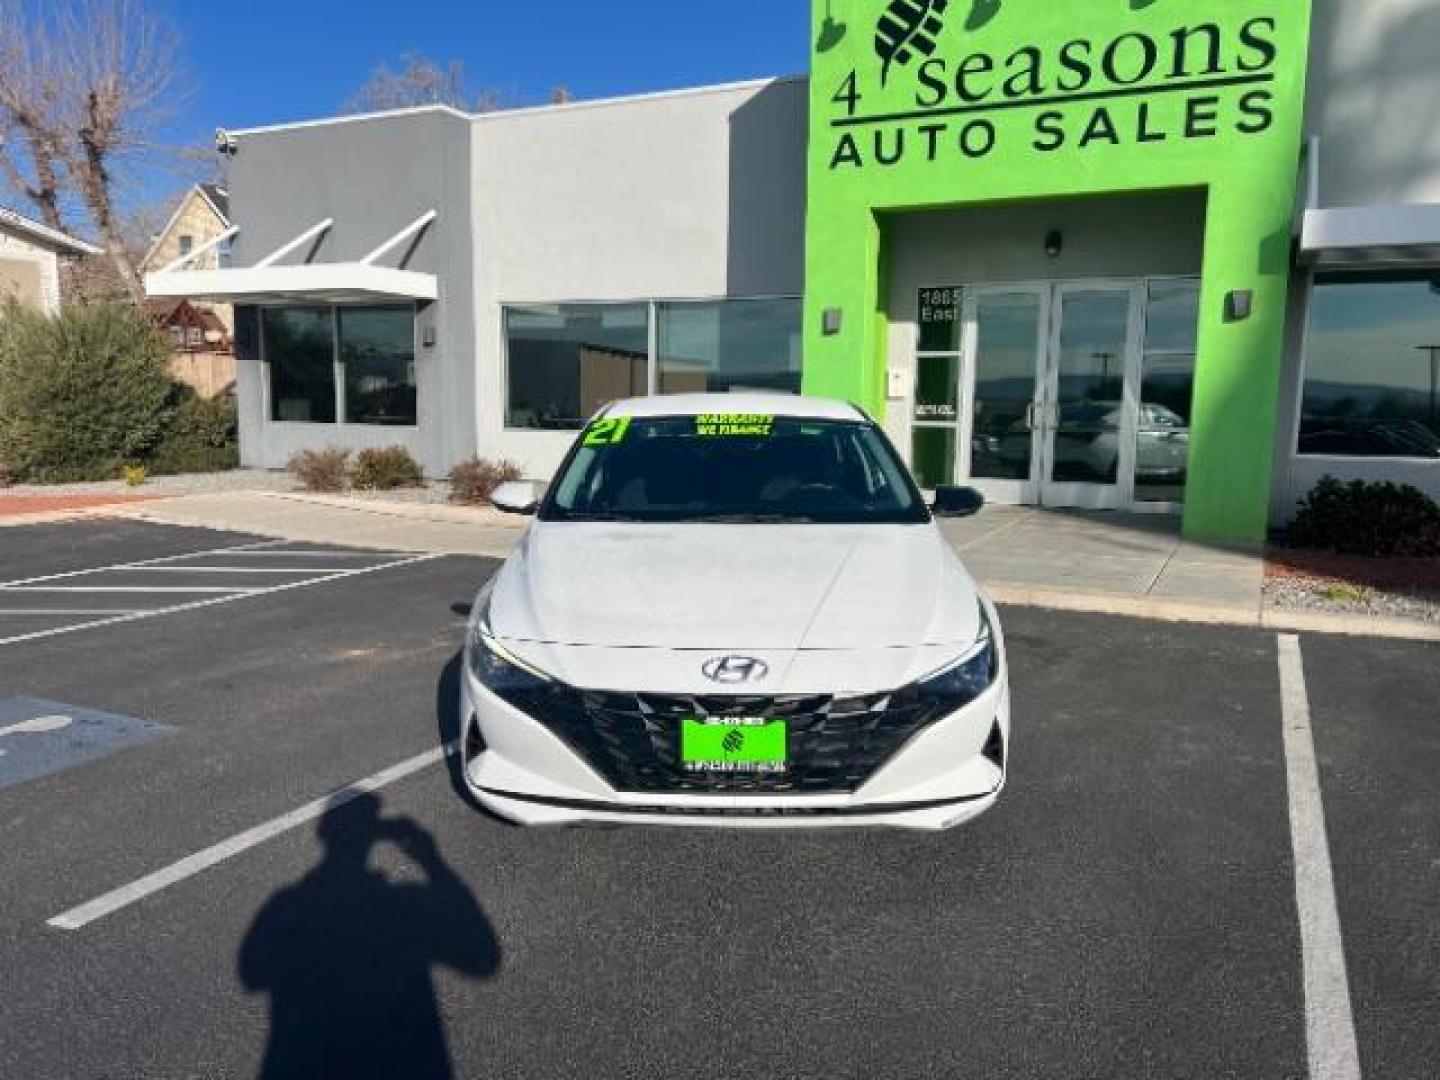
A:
(734, 610)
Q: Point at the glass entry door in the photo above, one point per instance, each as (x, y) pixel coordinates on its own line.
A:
(1086, 409)
(1030, 393)
(1006, 332)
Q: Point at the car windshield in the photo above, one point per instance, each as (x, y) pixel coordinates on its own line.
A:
(733, 468)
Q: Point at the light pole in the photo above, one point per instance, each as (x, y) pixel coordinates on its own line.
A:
(1434, 352)
(1106, 357)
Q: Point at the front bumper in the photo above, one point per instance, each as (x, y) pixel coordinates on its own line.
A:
(948, 772)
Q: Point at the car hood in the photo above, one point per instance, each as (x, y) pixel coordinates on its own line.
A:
(734, 588)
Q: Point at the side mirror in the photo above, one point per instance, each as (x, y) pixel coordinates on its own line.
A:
(957, 502)
(517, 497)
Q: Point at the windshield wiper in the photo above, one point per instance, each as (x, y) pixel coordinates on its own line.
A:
(754, 519)
(600, 515)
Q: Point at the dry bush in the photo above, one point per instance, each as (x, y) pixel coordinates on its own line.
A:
(321, 470)
(473, 481)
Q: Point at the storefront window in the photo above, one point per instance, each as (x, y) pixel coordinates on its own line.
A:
(1372, 367)
(377, 347)
(1167, 391)
(730, 345)
(299, 346)
(567, 360)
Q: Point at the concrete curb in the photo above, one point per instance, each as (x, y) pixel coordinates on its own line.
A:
(449, 515)
(1138, 607)
(53, 517)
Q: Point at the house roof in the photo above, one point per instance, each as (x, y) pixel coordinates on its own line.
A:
(44, 235)
(182, 312)
(215, 196)
(219, 199)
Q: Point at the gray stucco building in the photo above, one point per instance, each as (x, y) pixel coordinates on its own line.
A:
(469, 284)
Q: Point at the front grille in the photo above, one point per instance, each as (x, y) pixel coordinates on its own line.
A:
(633, 740)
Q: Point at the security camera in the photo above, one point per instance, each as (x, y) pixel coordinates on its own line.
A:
(225, 143)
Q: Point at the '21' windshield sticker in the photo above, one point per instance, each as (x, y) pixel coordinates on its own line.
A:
(604, 433)
(733, 424)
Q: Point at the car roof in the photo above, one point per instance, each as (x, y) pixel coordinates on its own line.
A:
(776, 404)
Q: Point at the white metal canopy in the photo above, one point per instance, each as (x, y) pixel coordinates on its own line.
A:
(1372, 235)
(270, 282)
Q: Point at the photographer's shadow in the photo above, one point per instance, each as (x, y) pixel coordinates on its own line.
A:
(346, 955)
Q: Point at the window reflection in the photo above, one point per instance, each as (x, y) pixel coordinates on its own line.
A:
(567, 360)
(299, 346)
(1090, 386)
(1007, 339)
(730, 345)
(377, 346)
(1372, 367)
(1167, 391)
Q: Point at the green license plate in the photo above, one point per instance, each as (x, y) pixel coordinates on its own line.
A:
(734, 744)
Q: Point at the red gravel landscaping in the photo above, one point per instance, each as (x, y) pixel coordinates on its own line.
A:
(1392, 574)
(14, 505)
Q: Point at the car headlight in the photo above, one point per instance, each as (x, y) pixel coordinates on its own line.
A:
(965, 678)
(495, 666)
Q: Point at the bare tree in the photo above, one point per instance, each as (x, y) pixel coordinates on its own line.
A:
(421, 81)
(30, 124)
(86, 84)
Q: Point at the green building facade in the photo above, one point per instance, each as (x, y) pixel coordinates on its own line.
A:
(983, 106)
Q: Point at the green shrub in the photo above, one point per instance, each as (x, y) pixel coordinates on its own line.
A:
(474, 480)
(1362, 518)
(385, 469)
(320, 470)
(202, 436)
(81, 392)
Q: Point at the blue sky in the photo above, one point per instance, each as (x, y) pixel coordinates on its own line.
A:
(266, 61)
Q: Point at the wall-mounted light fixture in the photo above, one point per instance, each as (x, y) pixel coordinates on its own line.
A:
(427, 337)
(1239, 305)
(1054, 243)
(831, 321)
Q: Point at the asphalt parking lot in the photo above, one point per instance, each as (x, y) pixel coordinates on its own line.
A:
(1130, 909)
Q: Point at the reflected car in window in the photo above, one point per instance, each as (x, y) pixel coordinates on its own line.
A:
(1088, 442)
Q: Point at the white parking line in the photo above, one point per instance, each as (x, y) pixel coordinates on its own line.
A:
(1329, 1023)
(67, 611)
(195, 605)
(25, 589)
(293, 554)
(201, 861)
(249, 549)
(186, 568)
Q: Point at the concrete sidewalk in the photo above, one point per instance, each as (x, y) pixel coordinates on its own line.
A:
(1131, 556)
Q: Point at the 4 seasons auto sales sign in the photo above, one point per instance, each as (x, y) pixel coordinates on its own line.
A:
(937, 84)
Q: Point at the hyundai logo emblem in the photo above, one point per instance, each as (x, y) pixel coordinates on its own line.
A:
(735, 669)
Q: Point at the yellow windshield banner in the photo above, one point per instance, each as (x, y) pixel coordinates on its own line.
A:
(734, 425)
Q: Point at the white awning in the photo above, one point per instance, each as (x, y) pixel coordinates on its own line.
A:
(325, 283)
(1372, 236)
